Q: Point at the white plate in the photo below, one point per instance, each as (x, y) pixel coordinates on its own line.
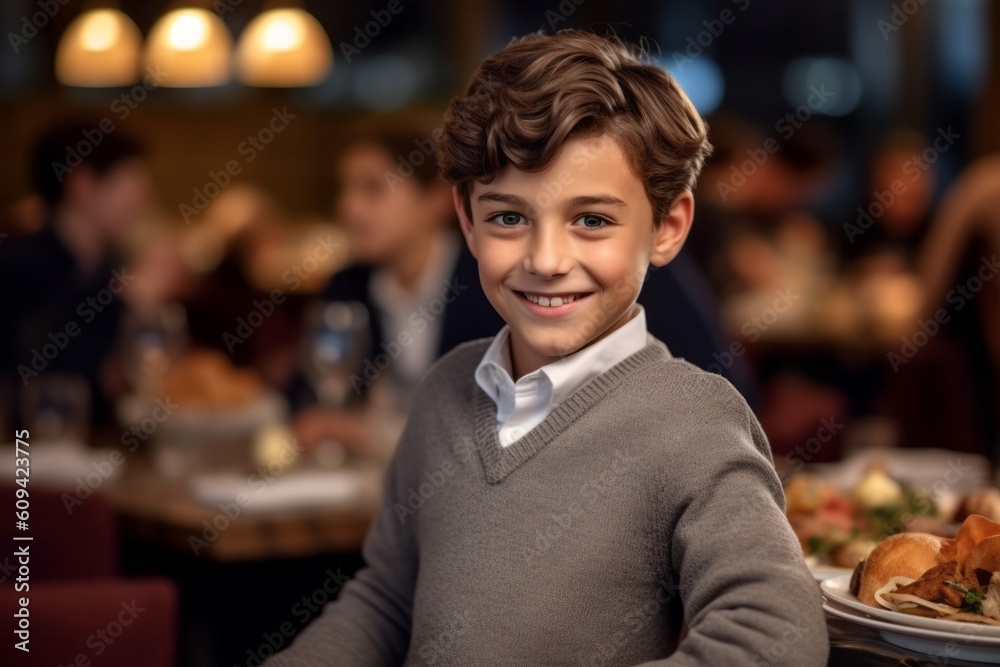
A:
(67, 465)
(952, 646)
(299, 489)
(837, 590)
(824, 572)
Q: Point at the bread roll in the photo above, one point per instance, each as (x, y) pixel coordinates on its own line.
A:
(902, 555)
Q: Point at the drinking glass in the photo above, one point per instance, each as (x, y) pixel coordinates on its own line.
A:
(149, 345)
(55, 407)
(337, 340)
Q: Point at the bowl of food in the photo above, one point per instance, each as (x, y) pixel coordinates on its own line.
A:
(216, 412)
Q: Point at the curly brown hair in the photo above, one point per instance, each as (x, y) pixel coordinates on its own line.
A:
(524, 102)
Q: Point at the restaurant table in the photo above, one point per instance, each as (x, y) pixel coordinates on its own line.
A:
(246, 585)
(153, 508)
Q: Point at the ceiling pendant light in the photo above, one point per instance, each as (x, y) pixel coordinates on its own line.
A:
(100, 48)
(284, 47)
(192, 48)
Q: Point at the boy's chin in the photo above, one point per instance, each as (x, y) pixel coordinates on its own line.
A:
(555, 346)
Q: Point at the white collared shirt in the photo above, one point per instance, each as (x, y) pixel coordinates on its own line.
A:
(524, 404)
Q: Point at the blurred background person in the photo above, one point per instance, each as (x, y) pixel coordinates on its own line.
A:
(412, 274)
(771, 258)
(66, 282)
(963, 244)
(228, 268)
(880, 249)
(893, 217)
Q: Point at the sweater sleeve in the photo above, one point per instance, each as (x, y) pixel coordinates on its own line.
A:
(747, 595)
(368, 625)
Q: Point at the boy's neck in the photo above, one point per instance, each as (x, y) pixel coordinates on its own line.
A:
(524, 361)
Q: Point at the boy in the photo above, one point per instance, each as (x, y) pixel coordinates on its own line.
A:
(567, 492)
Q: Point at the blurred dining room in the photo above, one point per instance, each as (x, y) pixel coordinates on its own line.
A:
(227, 260)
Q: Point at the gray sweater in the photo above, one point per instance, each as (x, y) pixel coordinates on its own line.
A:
(647, 498)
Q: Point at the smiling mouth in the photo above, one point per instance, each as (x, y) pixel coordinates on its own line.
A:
(553, 300)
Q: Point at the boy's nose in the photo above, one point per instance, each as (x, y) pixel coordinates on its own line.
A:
(548, 255)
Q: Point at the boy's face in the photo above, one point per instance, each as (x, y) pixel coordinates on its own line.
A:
(563, 252)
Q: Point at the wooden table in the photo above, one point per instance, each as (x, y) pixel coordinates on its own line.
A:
(163, 511)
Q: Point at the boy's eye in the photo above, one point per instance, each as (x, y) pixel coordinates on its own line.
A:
(507, 219)
(591, 221)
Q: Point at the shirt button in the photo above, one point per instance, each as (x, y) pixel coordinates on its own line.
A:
(515, 433)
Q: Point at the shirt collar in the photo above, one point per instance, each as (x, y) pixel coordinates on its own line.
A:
(562, 378)
(493, 374)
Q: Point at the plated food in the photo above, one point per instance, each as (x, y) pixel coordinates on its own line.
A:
(984, 501)
(956, 579)
(207, 380)
(224, 418)
(971, 642)
(841, 527)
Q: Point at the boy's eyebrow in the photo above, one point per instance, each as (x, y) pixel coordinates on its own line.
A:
(576, 202)
(591, 200)
(504, 198)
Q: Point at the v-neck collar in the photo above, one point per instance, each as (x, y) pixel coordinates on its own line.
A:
(500, 461)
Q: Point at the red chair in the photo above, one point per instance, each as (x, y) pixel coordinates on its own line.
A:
(107, 622)
(79, 611)
(71, 539)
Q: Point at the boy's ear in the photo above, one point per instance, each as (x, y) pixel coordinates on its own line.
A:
(463, 219)
(669, 237)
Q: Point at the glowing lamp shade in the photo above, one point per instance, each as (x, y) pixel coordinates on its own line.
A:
(284, 48)
(192, 48)
(99, 48)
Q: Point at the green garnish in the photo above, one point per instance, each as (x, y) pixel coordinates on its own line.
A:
(973, 602)
(973, 598)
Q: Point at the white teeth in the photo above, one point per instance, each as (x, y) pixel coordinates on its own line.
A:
(551, 302)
